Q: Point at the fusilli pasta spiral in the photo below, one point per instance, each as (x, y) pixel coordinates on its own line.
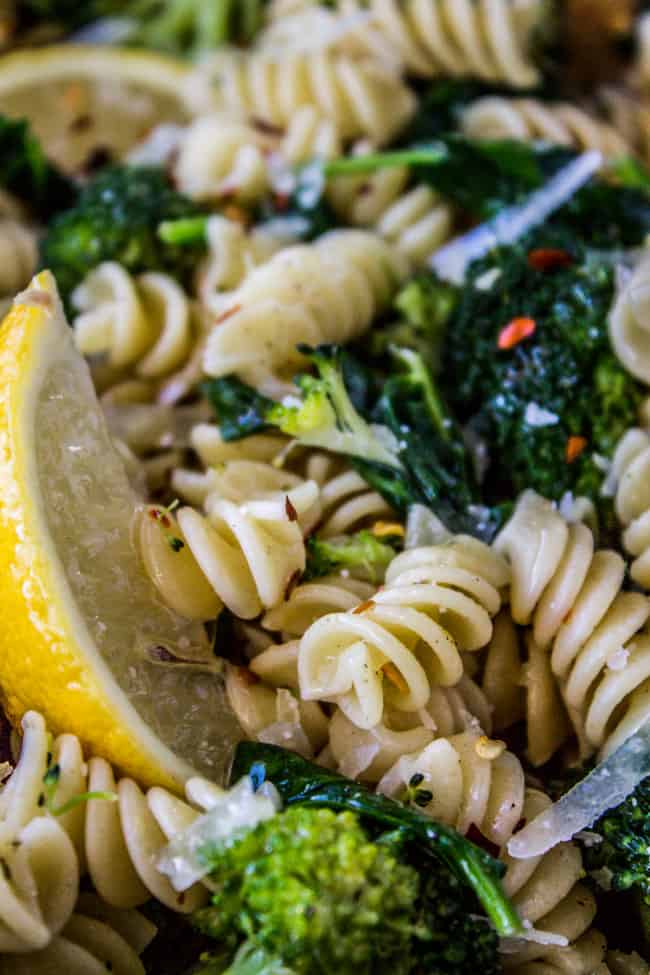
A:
(593, 629)
(18, 255)
(329, 291)
(222, 157)
(143, 322)
(526, 119)
(361, 98)
(416, 221)
(629, 321)
(243, 555)
(631, 468)
(387, 653)
(96, 939)
(311, 600)
(477, 783)
(489, 39)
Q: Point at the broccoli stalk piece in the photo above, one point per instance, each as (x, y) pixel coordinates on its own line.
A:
(363, 555)
(193, 26)
(310, 892)
(116, 218)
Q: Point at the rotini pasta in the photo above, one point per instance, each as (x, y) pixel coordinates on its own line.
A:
(349, 505)
(390, 651)
(241, 555)
(96, 939)
(490, 39)
(18, 255)
(222, 157)
(311, 600)
(415, 220)
(631, 469)
(592, 629)
(361, 98)
(629, 321)
(477, 783)
(329, 291)
(526, 119)
(144, 322)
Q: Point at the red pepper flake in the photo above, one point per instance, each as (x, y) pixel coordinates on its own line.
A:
(362, 607)
(515, 332)
(574, 447)
(549, 258)
(290, 511)
(282, 201)
(228, 313)
(157, 515)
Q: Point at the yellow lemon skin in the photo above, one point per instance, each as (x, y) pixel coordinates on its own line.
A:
(43, 664)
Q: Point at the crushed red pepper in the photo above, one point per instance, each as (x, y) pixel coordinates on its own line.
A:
(574, 447)
(515, 332)
(549, 258)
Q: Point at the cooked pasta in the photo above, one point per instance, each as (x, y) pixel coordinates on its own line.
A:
(18, 255)
(476, 782)
(311, 600)
(631, 468)
(222, 158)
(362, 98)
(390, 651)
(241, 555)
(142, 322)
(593, 630)
(526, 119)
(96, 939)
(39, 882)
(349, 505)
(329, 291)
(415, 220)
(629, 321)
(274, 714)
(490, 39)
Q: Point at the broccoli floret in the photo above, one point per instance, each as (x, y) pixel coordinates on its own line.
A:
(117, 219)
(194, 26)
(424, 306)
(26, 173)
(534, 374)
(363, 555)
(308, 891)
(622, 860)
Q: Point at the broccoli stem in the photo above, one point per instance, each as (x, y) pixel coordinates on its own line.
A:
(189, 230)
(360, 165)
(301, 782)
(421, 377)
(251, 960)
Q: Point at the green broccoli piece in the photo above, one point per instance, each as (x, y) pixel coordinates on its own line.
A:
(192, 27)
(551, 401)
(308, 891)
(327, 418)
(622, 860)
(363, 555)
(26, 173)
(116, 219)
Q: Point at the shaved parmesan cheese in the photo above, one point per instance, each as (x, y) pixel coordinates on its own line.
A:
(537, 416)
(606, 786)
(451, 261)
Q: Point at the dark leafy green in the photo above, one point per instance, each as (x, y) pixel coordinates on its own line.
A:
(300, 782)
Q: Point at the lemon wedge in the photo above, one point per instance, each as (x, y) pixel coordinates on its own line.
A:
(85, 100)
(84, 638)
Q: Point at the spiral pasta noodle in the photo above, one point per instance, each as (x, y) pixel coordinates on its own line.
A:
(142, 322)
(631, 467)
(329, 291)
(96, 939)
(243, 555)
(222, 157)
(490, 39)
(415, 220)
(387, 653)
(18, 255)
(572, 597)
(361, 98)
(311, 600)
(526, 119)
(629, 321)
(476, 783)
